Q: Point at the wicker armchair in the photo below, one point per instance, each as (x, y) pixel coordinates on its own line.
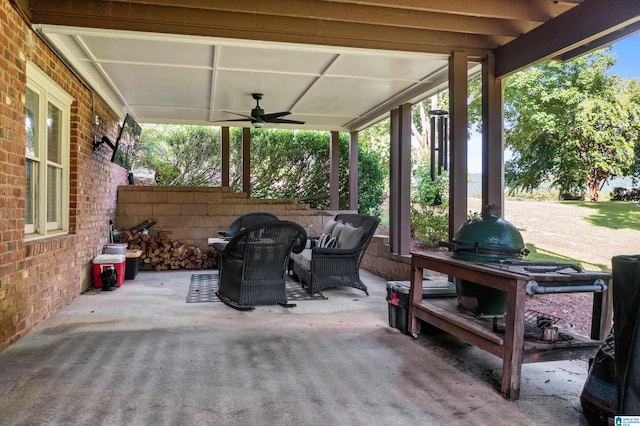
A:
(324, 267)
(247, 220)
(253, 264)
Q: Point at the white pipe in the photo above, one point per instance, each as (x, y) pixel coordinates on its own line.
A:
(534, 288)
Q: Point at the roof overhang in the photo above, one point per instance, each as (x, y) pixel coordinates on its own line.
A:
(335, 64)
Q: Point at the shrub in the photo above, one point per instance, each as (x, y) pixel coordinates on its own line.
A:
(429, 224)
(625, 194)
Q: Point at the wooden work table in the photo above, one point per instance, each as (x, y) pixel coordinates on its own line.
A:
(509, 345)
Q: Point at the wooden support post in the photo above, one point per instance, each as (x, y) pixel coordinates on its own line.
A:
(458, 122)
(404, 182)
(225, 156)
(394, 178)
(492, 137)
(334, 169)
(353, 170)
(246, 160)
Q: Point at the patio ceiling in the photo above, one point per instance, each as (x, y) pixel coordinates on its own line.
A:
(335, 64)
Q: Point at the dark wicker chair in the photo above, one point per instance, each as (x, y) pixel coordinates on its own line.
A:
(253, 264)
(321, 268)
(247, 220)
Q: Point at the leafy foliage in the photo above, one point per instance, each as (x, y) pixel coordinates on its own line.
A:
(181, 155)
(428, 192)
(284, 163)
(430, 224)
(570, 124)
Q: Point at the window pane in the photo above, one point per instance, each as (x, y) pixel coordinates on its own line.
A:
(32, 200)
(53, 182)
(54, 134)
(31, 123)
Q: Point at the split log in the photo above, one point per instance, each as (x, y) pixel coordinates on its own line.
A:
(159, 253)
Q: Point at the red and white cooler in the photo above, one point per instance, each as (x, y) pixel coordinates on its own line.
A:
(106, 261)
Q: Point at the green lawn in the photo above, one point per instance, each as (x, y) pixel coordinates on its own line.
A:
(613, 214)
(541, 255)
(607, 214)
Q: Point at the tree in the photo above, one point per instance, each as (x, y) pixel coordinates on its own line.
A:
(181, 155)
(570, 124)
(284, 163)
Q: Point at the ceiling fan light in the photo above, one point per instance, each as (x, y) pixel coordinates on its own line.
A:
(258, 124)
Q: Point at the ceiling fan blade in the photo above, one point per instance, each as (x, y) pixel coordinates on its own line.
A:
(248, 117)
(273, 115)
(233, 119)
(284, 120)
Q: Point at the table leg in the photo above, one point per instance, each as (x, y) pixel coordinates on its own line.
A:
(602, 313)
(513, 341)
(415, 296)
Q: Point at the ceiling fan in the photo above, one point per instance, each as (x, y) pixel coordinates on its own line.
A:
(258, 117)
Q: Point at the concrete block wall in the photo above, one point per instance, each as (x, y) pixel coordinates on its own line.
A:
(38, 277)
(380, 261)
(194, 214)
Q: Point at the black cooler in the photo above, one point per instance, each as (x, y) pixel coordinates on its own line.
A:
(398, 299)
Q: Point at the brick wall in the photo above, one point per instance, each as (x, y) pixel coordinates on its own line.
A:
(37, 278)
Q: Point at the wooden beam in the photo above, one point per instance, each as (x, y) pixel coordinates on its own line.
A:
(584, 23)
(503, 9)
(128, 16)
(358, 13)
(601, 42)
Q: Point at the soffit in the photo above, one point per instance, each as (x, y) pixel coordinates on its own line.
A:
(337, 65)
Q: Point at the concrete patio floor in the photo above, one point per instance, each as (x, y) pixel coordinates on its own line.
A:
(142, 355)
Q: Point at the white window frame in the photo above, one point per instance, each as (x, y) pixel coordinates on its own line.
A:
(50, 93)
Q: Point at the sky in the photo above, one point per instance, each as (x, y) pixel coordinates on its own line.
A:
(627, 66)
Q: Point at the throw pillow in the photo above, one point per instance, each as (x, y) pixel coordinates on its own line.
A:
(336, 230)
(350, 237)
(329, 226)
(327, 241)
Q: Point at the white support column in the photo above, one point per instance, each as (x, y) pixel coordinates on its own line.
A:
(458, 115)
(492, 136)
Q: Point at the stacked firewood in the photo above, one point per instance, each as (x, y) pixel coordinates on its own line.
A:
(160, 253)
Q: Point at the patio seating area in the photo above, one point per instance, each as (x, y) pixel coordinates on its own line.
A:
(336, 264)
(142, 355)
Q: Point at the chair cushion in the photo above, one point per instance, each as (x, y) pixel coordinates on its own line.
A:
(303, 258)
(350, 237)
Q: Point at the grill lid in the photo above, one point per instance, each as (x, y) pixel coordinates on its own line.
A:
(488, 237)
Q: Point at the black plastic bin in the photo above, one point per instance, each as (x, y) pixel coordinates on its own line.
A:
(398, 299)
(132, 264)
